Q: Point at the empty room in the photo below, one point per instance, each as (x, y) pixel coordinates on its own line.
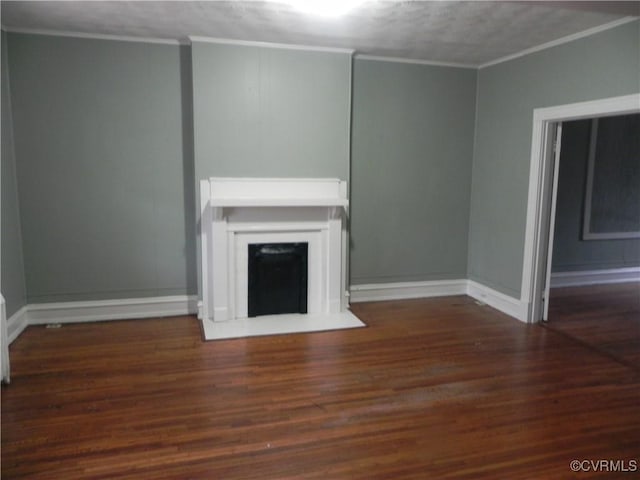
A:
(320, 239)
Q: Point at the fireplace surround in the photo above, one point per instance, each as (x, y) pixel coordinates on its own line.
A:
(239, 212)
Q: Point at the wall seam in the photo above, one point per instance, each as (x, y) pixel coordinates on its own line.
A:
(15, 175)
(473, 168)
(347, 250)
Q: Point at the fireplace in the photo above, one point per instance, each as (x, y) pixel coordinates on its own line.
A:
(277, 280)
(244, 216)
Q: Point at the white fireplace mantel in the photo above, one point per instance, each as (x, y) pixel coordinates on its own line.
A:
(277, 192)
(236, 212)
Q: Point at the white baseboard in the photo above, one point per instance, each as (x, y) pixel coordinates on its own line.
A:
(5, 364)
(440, 288)
(513, 307)
(99, 310)
(95, 311)
(17, 323)
(595, 277)
(402, 290)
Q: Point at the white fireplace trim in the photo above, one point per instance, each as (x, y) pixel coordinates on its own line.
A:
(234, 210)
(277, 192)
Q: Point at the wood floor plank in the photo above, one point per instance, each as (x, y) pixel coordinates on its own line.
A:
(605, 317)
(432, 388)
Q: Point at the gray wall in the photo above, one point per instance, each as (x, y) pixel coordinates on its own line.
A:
(570, 252)
(110, 136)
(411, 171)
(12, 283)
(599, 66)
(270, 112)
(100, 160)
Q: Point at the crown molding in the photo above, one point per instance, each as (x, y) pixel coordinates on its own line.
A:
(379, 58)
(285, 46)
(249, 43)
(93, 36)
(560, 41)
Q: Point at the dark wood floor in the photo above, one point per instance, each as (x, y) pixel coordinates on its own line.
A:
(604, 317)
(438, 388)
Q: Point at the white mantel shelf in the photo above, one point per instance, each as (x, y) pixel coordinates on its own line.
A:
(279, 202)
(277, 192)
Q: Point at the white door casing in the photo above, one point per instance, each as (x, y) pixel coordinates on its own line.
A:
(557, 147)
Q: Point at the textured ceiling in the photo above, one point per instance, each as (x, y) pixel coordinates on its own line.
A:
(471, 33)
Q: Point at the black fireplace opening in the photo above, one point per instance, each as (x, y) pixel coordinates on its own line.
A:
(277, 278)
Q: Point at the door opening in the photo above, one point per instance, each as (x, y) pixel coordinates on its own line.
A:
(536, 261)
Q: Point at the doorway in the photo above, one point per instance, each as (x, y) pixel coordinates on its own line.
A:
(536, 261)
(594, 255)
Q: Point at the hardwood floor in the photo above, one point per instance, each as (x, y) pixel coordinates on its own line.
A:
(434, 388)
(604, 317)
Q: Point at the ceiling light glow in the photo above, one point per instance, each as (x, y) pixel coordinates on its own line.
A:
(325, 8)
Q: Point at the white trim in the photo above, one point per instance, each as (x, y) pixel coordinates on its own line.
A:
(252, 43)
(277, 192)
(93, 36)
(380, 58)
(560, 41)
(5, 363)
(555, 142)
(206, 217)
(17, 323)
(135, 308)
(285, 46)
(506, 304)
(276, 227)
(595, 277)
(402, 290)
(538, 188)
(95, 311)
(440, 288)
(579, 110)
(312, 212)
(99, 310)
